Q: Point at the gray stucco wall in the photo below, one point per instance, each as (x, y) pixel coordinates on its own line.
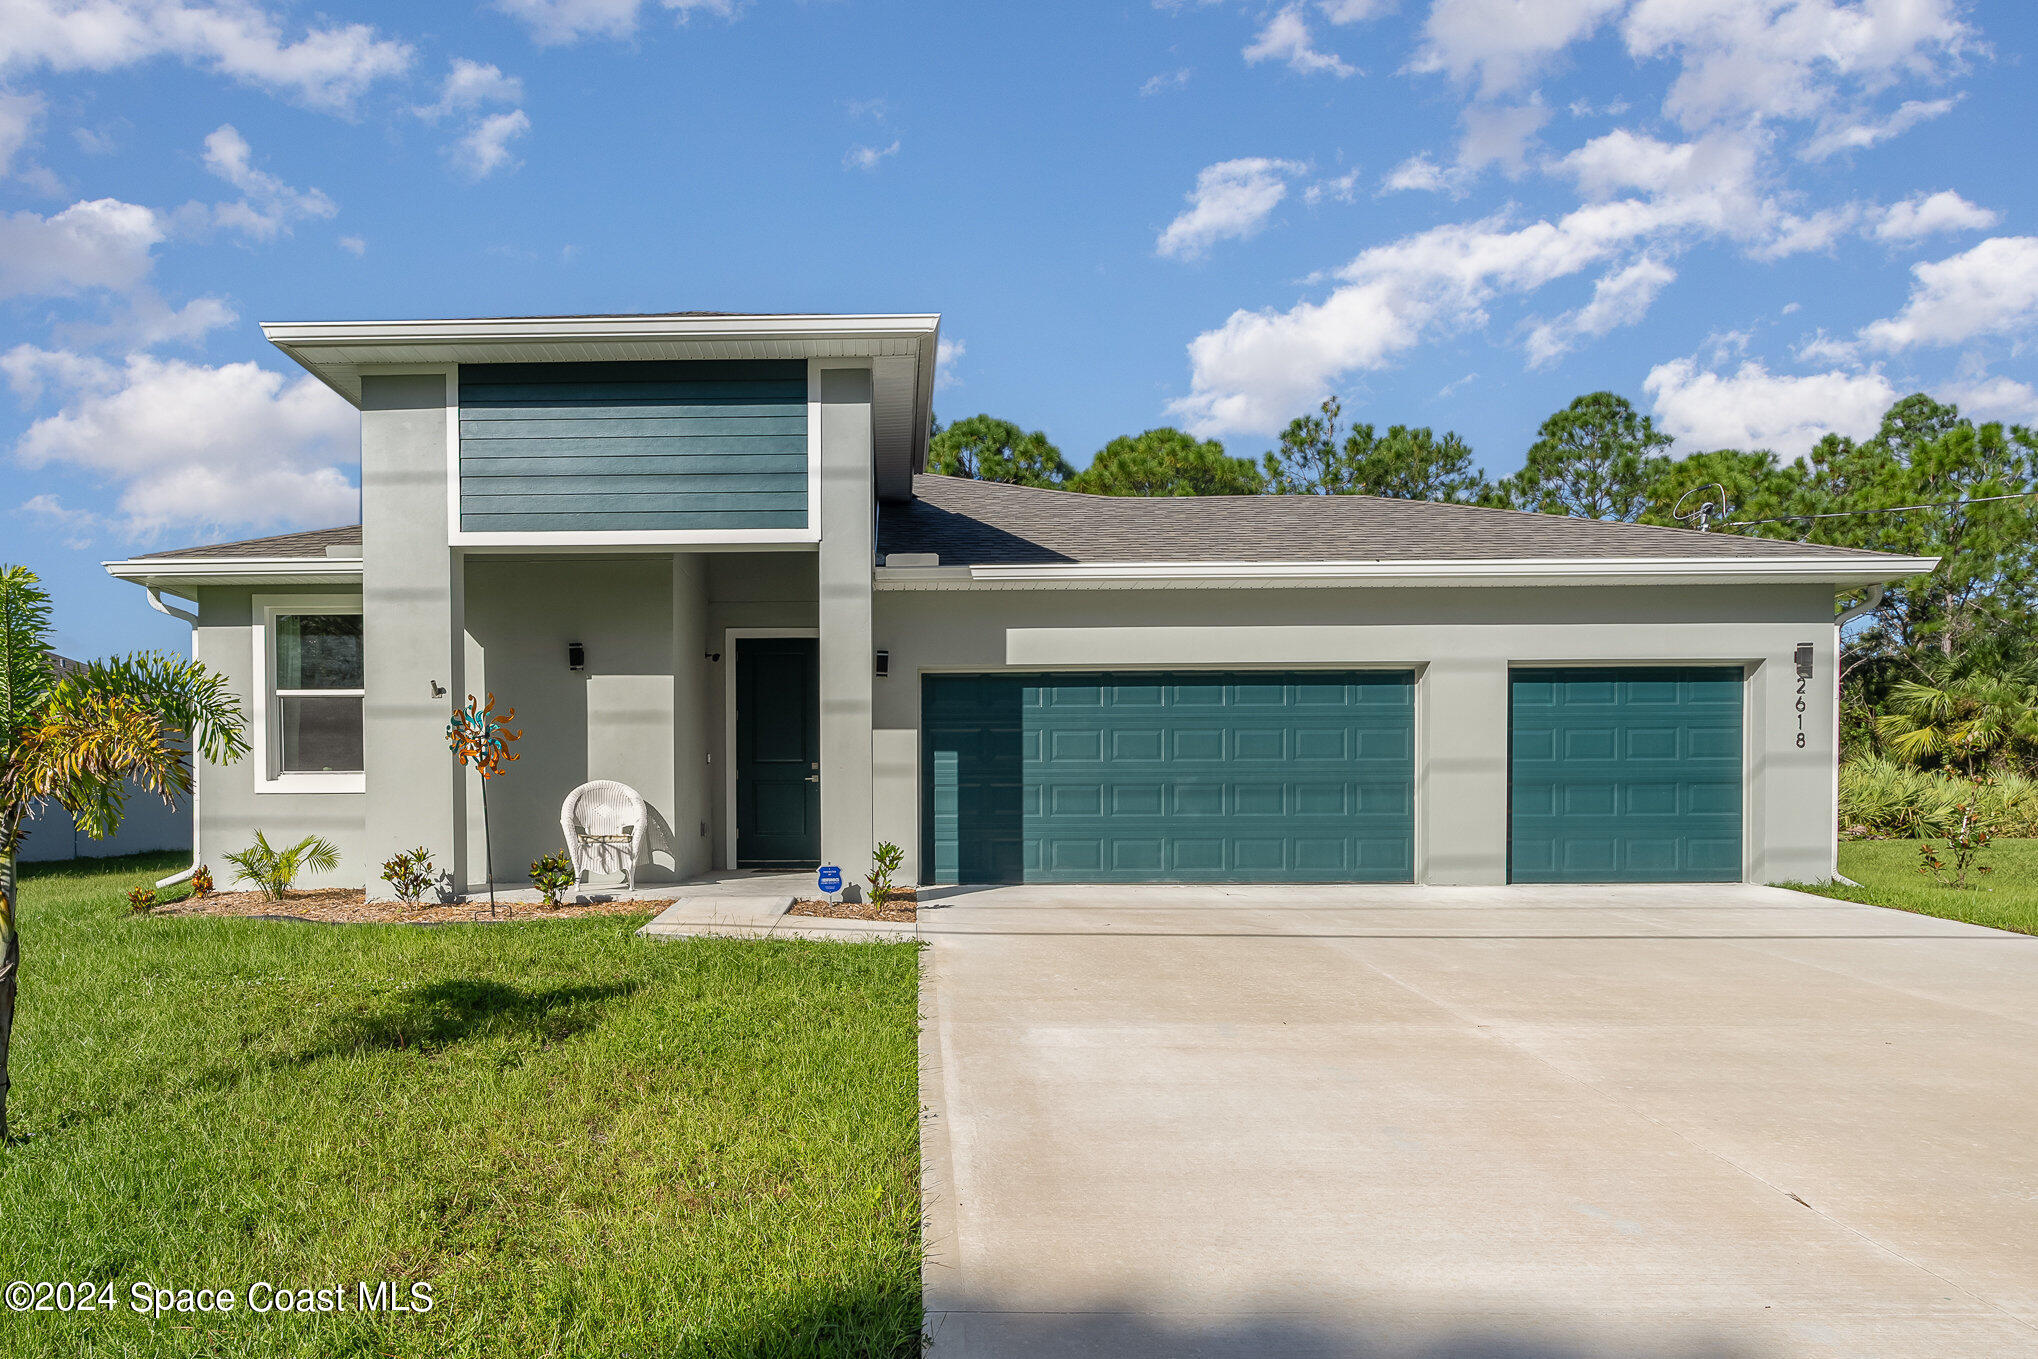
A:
(848, 548)
(1461, 643)
(765, 591)
(613, 720)
(230, 809)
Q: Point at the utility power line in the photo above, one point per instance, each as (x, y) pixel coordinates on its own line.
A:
(1893, 509)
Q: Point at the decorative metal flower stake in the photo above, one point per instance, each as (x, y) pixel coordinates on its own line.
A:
(480, 738)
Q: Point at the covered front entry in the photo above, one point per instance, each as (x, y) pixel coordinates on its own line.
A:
(1169, 776)
(778, 752)
(1625, 774)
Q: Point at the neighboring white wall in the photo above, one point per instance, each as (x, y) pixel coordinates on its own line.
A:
(146, 825)
(230, 810)
(1460, 641)
(613, 720)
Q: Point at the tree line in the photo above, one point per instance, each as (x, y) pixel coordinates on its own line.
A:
(1949, 653)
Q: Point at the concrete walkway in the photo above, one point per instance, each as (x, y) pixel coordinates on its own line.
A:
(1456, 1123)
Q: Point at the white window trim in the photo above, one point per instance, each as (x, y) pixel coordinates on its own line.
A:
(265, 727)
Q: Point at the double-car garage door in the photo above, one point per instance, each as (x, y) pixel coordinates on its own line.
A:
(1630, 774)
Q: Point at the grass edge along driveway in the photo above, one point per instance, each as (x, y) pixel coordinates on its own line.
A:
(586, 1142)
(2004, 899)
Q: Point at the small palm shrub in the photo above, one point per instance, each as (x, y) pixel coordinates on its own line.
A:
(884, 861)
(552, 874)
(274, 871)
(141, 900)
(409, 874)
(1881, 797)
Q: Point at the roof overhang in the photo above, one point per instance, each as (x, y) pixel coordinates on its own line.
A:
(179, 574)
(902, 349)
(1306, 575)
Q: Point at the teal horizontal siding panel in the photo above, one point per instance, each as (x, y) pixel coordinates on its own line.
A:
(653, 446)
(1625, 774)
(1178, 776)
(639, 464)
(614, 521)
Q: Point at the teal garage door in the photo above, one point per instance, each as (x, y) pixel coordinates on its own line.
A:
(1171, 776)
(1625, 775)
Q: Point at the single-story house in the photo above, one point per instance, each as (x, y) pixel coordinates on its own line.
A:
(698, 554)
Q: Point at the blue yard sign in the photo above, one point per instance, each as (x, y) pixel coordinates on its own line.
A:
(831, 878)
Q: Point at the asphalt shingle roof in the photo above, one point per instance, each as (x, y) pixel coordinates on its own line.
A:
(982, 523)
(312, 543)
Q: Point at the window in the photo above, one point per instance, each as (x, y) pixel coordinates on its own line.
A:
(312, 658)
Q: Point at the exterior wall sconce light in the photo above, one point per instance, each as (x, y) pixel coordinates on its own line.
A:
(884, 664)
(576, 656)
(1804, 660)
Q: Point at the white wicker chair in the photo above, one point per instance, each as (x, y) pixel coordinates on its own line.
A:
(605, 823)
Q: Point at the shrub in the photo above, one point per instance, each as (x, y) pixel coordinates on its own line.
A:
(201, 881)
(553, 876)
(409, 874)
(274, 871)
(141, 900)
(1881, 797)
(884, 861)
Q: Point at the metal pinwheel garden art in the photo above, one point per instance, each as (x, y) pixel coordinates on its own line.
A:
(480, 737)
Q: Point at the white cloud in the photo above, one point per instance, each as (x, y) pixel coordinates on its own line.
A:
(1162, 83)
(1994, 398)
(1754, 408)
(354, 246)
(1418, 174)
(1500, 43)
(195, 447)
(945, 355)
(328, 67)
(1231, 201)
(145, 320)
(1793, 233)
(1790, 58)
(1620, 298)
(1989, 290)
(103, 243)
(486, 146)
(1499, 135)
(269, 205)
(1353, 11)
(19, 113)
(1343, 189)
(78, 526)
(869, 157)
(1859, 133)
(1924, 215)
(470, 85)
(553, 22)
(1285, 38)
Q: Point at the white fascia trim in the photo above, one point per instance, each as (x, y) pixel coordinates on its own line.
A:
(1496, 572)
(286, 334)
(250, 569)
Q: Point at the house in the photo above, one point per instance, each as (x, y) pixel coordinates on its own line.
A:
(697, 553)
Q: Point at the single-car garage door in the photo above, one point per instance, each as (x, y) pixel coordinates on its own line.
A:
(1187, 776)
(1626, 775)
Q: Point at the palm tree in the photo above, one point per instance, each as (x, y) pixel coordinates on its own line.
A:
(78, 740)
(1967, 722)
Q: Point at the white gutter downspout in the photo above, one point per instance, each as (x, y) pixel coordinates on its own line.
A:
(156, 603)
(1869, 604)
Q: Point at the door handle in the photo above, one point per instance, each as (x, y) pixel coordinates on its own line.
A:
(813, 778)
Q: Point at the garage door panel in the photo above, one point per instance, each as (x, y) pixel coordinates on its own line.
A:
(1233, 777)
(1625, 775)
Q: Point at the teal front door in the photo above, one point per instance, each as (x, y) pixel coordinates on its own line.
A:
(778, 752)
(1627, 774)
(1177, 776)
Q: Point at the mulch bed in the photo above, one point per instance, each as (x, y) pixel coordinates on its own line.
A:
(901, 906)
(350, 906)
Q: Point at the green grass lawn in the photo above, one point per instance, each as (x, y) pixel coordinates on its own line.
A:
(587, 1143)
(1887, 870)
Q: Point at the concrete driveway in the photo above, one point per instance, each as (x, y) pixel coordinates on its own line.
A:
(1450, 1123)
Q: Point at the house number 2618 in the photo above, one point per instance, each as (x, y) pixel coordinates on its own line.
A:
(1801, 682)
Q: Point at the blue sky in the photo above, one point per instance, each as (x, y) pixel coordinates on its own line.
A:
(1758, 219)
